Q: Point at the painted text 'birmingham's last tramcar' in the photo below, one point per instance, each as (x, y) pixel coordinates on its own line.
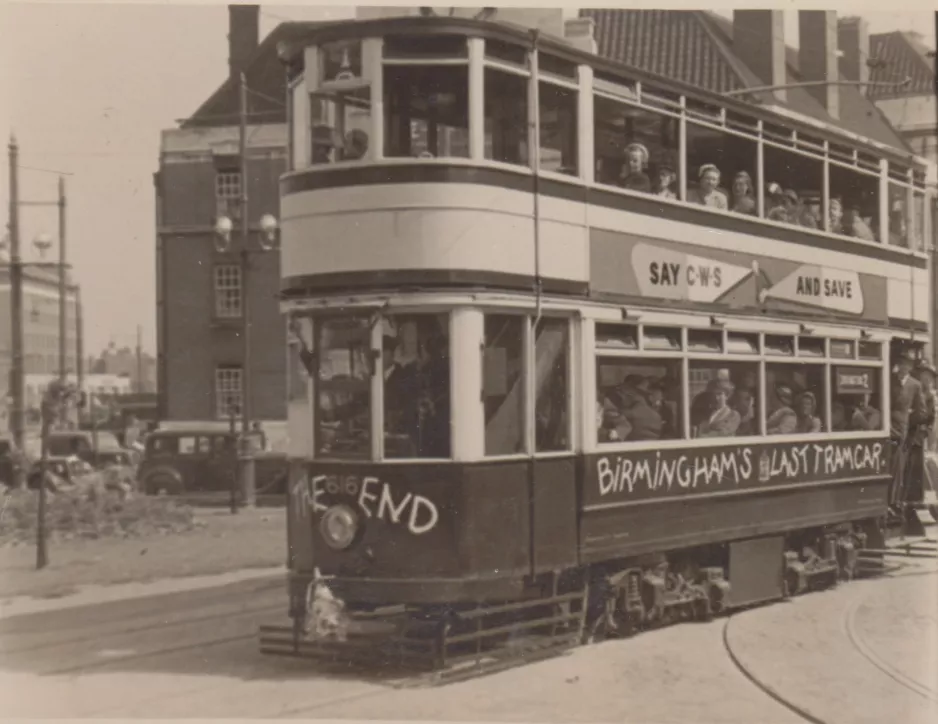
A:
(576, 347)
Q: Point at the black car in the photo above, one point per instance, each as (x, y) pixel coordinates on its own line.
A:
(62, 473)
(11, 460)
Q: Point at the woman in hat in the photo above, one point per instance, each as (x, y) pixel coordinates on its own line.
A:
(808, 421)
(666, 179)
(708, 192)
(777, 209)
(633, 175)
(723, 420)
(743, 197)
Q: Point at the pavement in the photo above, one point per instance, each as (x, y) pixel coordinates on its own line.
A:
(863, 652)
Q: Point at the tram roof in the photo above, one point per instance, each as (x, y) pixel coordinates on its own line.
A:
(861, 121)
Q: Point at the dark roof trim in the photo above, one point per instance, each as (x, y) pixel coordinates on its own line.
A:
(349, 29)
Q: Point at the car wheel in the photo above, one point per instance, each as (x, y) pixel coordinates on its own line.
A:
(161, 484)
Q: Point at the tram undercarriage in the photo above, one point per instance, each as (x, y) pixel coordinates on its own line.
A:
(585, 605)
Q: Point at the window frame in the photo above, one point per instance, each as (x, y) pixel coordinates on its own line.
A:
(826, 364)
(218, 392)
(233, 273)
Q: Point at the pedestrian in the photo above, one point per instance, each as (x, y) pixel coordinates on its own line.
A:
(908, 411)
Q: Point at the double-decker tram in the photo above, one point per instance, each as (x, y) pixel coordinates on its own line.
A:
(576, 349)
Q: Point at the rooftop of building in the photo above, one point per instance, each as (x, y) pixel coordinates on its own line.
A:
(901, 55)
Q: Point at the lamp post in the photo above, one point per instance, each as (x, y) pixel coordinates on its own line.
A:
(267, 242)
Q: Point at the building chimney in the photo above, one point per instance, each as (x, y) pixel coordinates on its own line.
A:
(580, 32)
(817, 56)
(853, 39)
(243, 36)
(759, 42)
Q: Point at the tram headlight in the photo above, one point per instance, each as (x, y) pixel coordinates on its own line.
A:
(338, 526)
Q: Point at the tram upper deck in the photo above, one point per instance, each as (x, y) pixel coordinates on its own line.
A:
(410, 156)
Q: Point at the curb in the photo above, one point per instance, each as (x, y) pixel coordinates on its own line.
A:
(90, 595)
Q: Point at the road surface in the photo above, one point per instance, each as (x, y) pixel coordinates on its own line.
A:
(865, 651)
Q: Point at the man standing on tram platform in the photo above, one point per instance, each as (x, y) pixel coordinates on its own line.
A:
(907, 413)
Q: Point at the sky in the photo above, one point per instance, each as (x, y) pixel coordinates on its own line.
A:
(87, 88)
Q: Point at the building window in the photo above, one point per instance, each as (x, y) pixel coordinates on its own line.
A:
(228, 185)
(228, 291)
(228, 391)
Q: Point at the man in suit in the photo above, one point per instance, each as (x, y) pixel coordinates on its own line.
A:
(908, 411)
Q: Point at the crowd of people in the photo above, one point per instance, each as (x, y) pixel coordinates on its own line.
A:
(783, 205)
(647, 408)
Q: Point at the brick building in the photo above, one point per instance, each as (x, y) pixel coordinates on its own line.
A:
(200, 292)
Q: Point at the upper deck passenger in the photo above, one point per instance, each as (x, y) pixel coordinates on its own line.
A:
(708, 192)
(633, 176)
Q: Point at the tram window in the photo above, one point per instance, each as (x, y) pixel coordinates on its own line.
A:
(661, 338)
(340, 123)
(917, 232)
(855, 400)
(427, 111)
(299, 344)
(871, 350)
(636, 149)
(425, 47)
(899, 215)
(638, 399)
(724, 169)
(506, 52)
(724, 399)
(793, 187)
(503, 384)
(742, 343)
(617, 336)
(558, 131)
(842, 349)
(416, 369)
(506, 117)
(795, 398)
(551, 385)
(340, 61)
(854, 204)
(779, 345)
(556, 66)
(810, 346)
(343, 397)
(704, 340)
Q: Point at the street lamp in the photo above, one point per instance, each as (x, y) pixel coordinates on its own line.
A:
(267, 241)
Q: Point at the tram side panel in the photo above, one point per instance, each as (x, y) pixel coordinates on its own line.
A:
(660, 501)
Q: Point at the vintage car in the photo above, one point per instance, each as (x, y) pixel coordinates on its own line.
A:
(204, 460)
(99, 449)
(62, 473)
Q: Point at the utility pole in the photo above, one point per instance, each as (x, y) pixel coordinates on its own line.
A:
(139, 386)
(16, 304)
(246, 459)
(63, 289)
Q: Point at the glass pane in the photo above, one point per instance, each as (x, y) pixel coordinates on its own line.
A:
(343, 400)
(723, 167)
(724, 398)
(425, 46)
(742, 343)
(871, 350)
(300, 358)
(854, 204)
(506, 52)
(636, 149)
(620, 336)
(842, 348)
(416, 367)
(506, 117)
(551, 386)
(503, 384)
(661, 338)
(779, 345)
(638, 399)
(917, 231)
(558, 133)
(341, 61)
(427, 111)
(340, 123)
(898, 216)
(704, 340)
(795, 395)
(856, 401)
(810, 347)
(793, 188)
